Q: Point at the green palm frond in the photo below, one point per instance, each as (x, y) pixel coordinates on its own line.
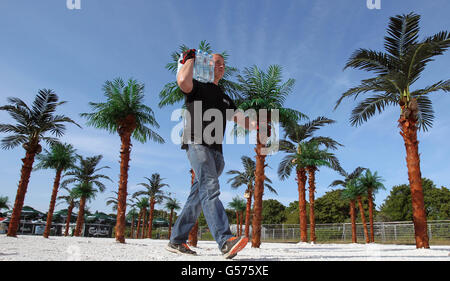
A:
(347, 177)
(425, 113)
(397, 70)
(384, 84)
(369, 60)
(237, 204)
(60, 157)
(403, 32)
(247, 177)
(422, 53)
(371, 181)
(172, 204)
(123, 100)
(326, 141)
(439, 86)
(261, 90)
(35, 122)
(352, 190)
(4, 203)
(153, 188)
(85, 176)
(285, 167)
(368, 107)
(337, 182)
(298, 133)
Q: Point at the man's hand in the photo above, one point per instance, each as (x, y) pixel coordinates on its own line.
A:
(187, 55)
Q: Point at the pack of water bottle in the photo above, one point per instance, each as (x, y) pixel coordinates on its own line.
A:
(203, 66)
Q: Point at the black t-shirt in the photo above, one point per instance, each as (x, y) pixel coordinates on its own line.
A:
(212, 100)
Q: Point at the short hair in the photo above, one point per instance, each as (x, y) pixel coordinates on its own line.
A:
(220, 55)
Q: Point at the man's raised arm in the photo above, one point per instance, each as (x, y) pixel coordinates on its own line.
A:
(185, 76)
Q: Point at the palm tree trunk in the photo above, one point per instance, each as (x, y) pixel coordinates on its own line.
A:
(170, 222)
(370, 198)
(301, 182)
(247, 214)
(353, 219)
(132, 227)
(80, 218)
(69, 216)
(237, 223)
(258, 193)
(193, 235)
(363, 219)
(52, 203)
(240, 223)
(21, 191)
(125, 136)
(312, 189)
(150, 220)
(409, 134)
(139, 224)
(144, 224)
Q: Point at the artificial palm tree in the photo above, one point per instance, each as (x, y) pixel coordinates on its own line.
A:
(132, 213)
(172, 204)
(350, 183)
(241, 208)
(60, 158)
(238, 205)
(264, 93)
(153, 189)
(142, 204)
(396, 70)
(72, 200)
(171, 93)
(360, 192)
(85, 176)
(297, 135)
(372, 183)
(350, 193)
(33, 124)
(124, 113)
(247, 178)
(312, 157)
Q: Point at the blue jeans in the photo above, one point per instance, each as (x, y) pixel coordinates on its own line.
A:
(208, 165)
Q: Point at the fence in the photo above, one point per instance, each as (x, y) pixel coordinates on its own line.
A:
(384, 232)
(58, 229)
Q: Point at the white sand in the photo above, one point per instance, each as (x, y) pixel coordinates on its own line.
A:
(73, 248)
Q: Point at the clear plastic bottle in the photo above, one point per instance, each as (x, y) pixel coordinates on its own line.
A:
(204, 72)
(197, 65)
(203, 66)
(211, 69)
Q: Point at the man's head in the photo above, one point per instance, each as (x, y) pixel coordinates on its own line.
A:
(219, 67)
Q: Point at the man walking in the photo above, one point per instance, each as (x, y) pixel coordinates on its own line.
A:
(204, 152)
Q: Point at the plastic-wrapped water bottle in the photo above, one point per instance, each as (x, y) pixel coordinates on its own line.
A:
(203, 67)
(207, 66)
(211, 69)
(201, 60)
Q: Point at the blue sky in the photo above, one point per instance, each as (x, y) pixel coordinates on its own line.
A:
(73, 52)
